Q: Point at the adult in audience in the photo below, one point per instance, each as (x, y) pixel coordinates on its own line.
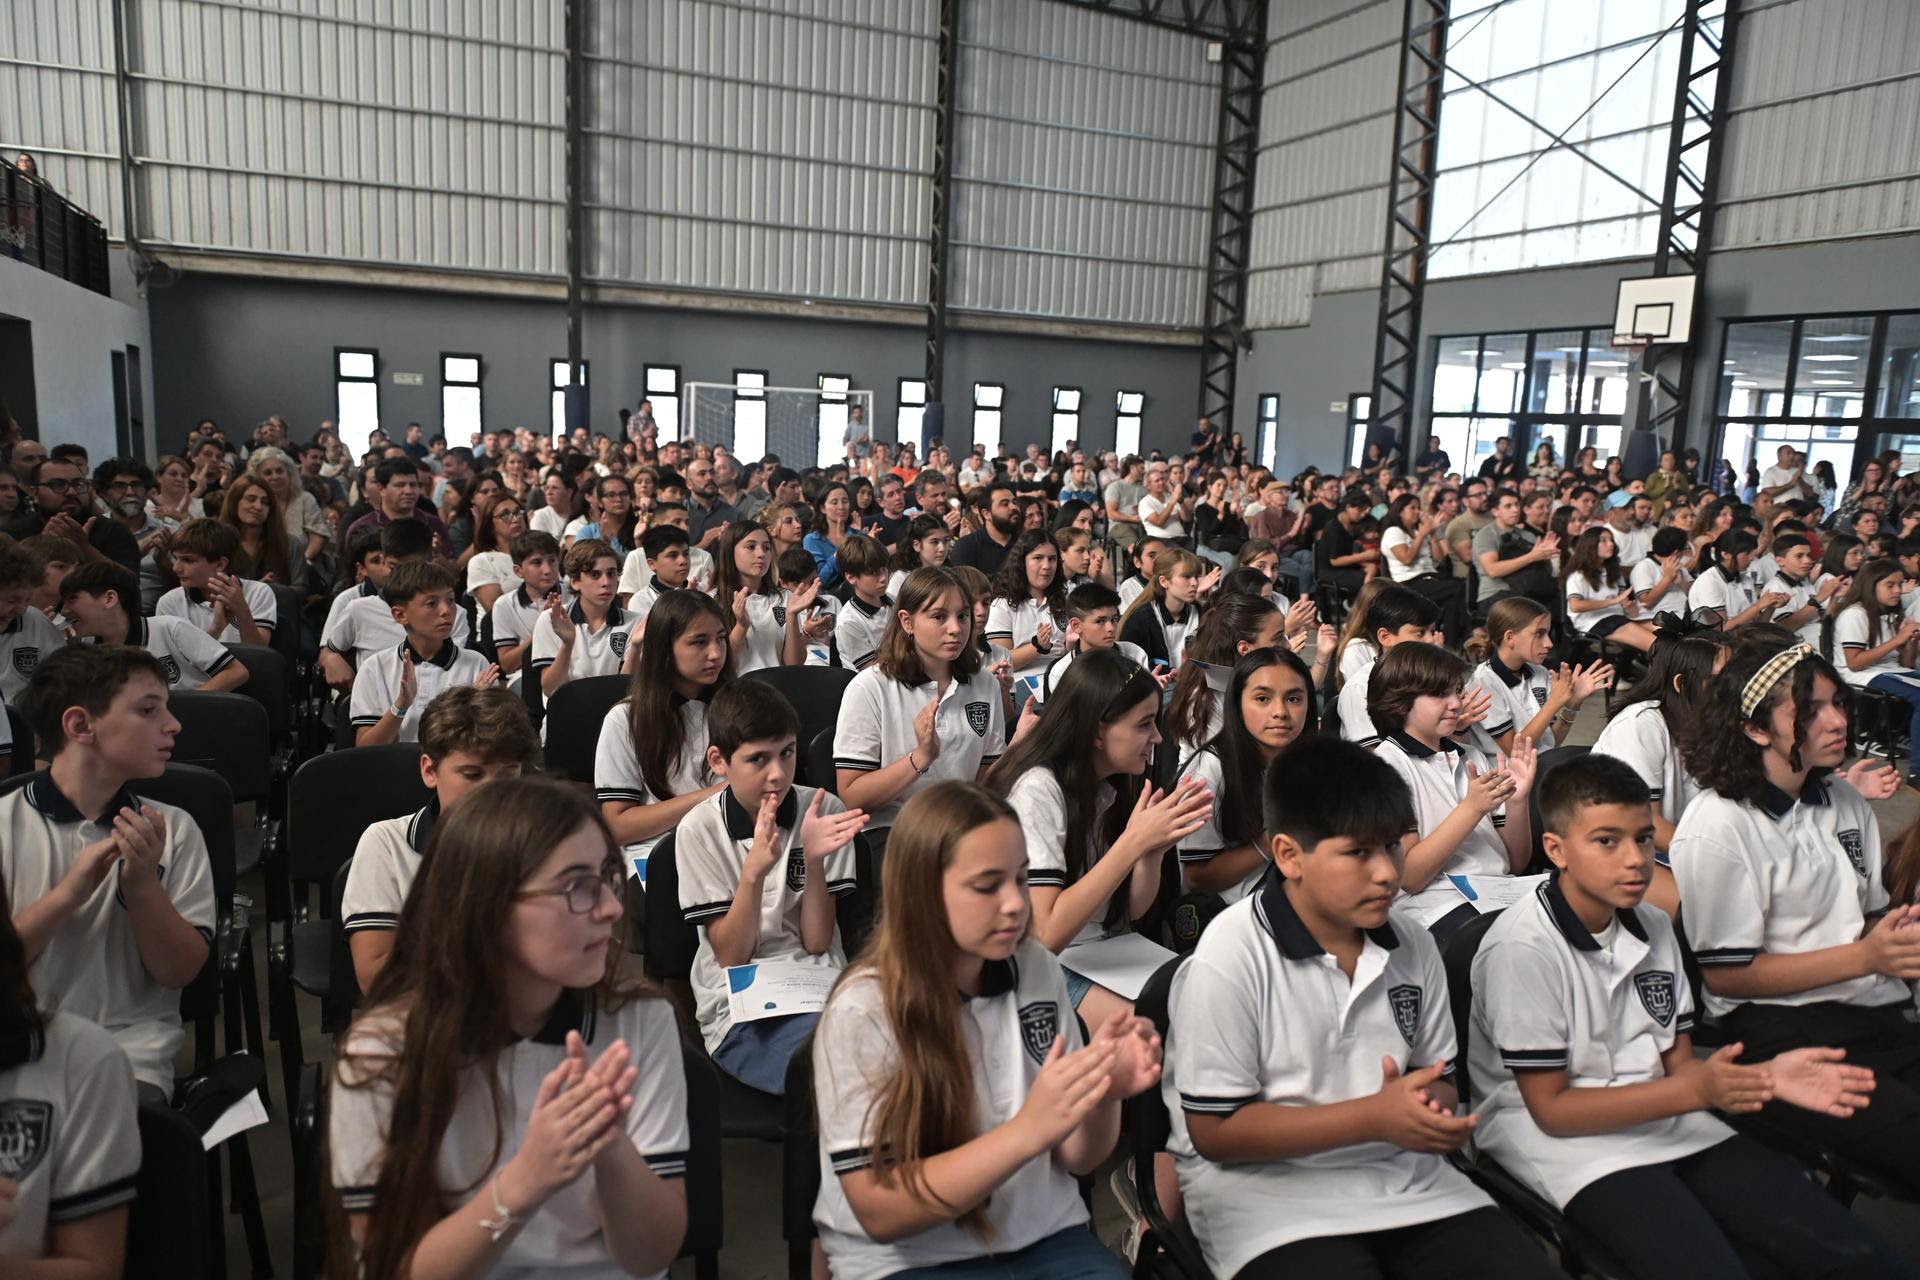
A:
(1164, 511)
(997, 521)
(1338, 556)
(1501, 467)
(1512, 557)
(707, 512)
(1473, 517)
(1123, 502)
(62, 496)
(23, 456)
(300, 512)
(399, 499)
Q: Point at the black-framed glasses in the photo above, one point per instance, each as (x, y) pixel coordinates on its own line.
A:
(582, 892)
(58, 485)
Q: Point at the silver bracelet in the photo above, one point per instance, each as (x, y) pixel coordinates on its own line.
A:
(502, 1220)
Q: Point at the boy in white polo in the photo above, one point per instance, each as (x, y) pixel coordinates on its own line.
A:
(588, 638)
(101, 602)
(360, 624)
(26, 636)
(397, 685)
(112, 895)
(1093, 622)
(858, 629)
(658, 565)
(468, 737)
(536, 568)
(1308, 1055)
(231, 609)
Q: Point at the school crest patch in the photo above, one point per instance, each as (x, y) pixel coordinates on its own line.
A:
(24, 1128)
(1404, 1000)
(978, 714)
(1656, 993)
(780, 614)
(797, 865)
(618, 642)
(1855, 851)
(26, 659)
(1540, 694)
(171, 667)
(1039, 1027)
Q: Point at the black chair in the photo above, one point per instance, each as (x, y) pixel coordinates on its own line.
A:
(20, 754)
(817, 765)
(799, 1165)
(815, 692)
(1168, 1250)
(1549, 760)
(573, 724)
(232, 734)
(269, 682)
(1879, 722)
(1581, 1254)
(705, 1222)
(170, 1225)
(1579, 648)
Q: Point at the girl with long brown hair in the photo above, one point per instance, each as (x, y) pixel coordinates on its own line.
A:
(957, 1101)
(251, 509)
(763, 632)
(507, 1103)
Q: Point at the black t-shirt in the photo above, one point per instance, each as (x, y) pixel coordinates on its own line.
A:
(979, 550)
(1338, 540)
(1433, 460)
(1499, 468)
(1319, 516)
(887, 529)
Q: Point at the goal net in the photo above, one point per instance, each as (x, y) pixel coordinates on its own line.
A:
(804, 426)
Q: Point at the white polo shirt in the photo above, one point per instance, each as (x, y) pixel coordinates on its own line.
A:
(514, 616)
(377, 683)
(1007, 1030)
(1261, 1014)
(24, 644)
(1438, 781)
(1638, 734)
(69, 1130)
(858, 630)
(766, 634)
(1550, 996)
(385, 864)
(92, 966)
(562, 1237)
(1357, 657)
(1011, 624)
(1578, 588)
(1634, 545)
(1129, 590)
(818, 653)
(491, 569)
(189, 655)
(1174, 631)
(1160, 517)
(1518, 696)
(1356, 725)
(594, 653)
(1790, 876)
(1646, 575)
(1219, 680)
(617, 776)
(875, 728)
(1209, 841)
(196, 609)
(710, 850)
(1731, 594)
(1799, 595)
(1042, 806)
(1850, 636)
(360, 624)
(1057, 669)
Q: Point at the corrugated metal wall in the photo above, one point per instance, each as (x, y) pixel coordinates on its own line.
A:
(1326, 138)
(57, 98)
(1083, 166)
(411, 132)
(1821, 144)
(775, 147)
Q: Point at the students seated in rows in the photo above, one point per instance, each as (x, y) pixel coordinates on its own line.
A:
(1268, 705)
(639, 568)
(798, 571)
(664, 548)
(1792, 577)
(73, 1133)
(467, 736)
(764, 632)
(862, 623)
(27, 638)
(588, 637)
(1601, 602)
(923, 546)
(1661, 582)
(1028, 614)
(1235, 624)
(1721, 585)
(1874, 644)
(536, 572)
(509, 1102)
(1779, 870)
(1093, 623)
(361, 623)
(1140, 559)
(232, 610)
(113, 895)
(1162, 619)
(760, 865)
(395, 686)
(957, 1098)
(1309, 1052)
(1587, 1087)
(101, 602)
(1523, 696)
(1081, 561)
(1467, 821)
(1096, 832)
(927, 710)
(650, 762)
(1395, 616)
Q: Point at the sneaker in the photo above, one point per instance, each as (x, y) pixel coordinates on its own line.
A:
(1121, 1183)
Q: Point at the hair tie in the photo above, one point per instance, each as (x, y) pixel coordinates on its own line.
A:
(1770, 674)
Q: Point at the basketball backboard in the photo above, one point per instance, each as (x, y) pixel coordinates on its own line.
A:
(1653, 309)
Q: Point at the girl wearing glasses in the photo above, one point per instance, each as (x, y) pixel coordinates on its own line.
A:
(509, 1103)
(490, 572)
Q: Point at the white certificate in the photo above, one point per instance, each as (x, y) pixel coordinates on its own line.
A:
(1494, 893)
(1122, 964)
(777, 988)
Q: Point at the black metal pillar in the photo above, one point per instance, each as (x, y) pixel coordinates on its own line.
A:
(123, 100)
(944, 111)
(1230, 224)
(576, 393)
(1403, 273)
(1662, 377)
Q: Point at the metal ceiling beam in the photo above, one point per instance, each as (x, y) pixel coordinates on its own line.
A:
(1241, 22)
(576, 229)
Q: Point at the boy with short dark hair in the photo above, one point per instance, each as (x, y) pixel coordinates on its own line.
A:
(468, 736)
(1590, 1092)
(760, 864)
(231, 609)
(536, 562)
(1093, 623)
(1791, 575)
(395, 685)
(102, 603)
(857, 631)
(588, 638)
(361, 622)
(58, 558)
(27, 638)
(1308, 1065)
(112, 895)
(795, 569)
(665, 555)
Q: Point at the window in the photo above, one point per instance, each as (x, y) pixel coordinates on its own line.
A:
(663, 389)
(1359, 418)
(1127, 406)
(356, 396)
(749, 413)
(1269, 434)
(1564, 388)
(909, 421)
(459, 398)
(833, 419)
(558, 382)
(1066, 419)
(987, 405)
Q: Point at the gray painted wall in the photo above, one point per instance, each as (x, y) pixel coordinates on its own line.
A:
(237, 349)
(75, 333)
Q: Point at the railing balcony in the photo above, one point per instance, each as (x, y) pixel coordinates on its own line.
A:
(41, 228)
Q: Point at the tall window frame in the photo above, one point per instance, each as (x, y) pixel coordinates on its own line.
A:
(356, 395)
(1567, 387)
(910, 414)
(1128, 409)
(557, 384)
(1066, 418)
(661, 384)
(836, 402)
(749, 413)
(1267, 441)
(989, 408)
(462, 406)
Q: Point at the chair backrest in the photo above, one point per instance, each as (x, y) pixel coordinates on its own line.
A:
(705, 1227)
(382, 781)
(815, 692)
(818, 765)
(203, 796)
(269, 683)
(1548, 761)
(20, 757)
(168, 1230)
(228, 733)
(1457, 954)
(574, 714)
(799, 1149)
(287, 639)
(671, 941)
(343, 988)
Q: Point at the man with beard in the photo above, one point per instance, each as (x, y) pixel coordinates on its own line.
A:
(123, 484)
(999, 520)
(708, 514)
(63, 506)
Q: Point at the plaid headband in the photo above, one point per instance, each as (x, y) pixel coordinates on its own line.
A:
(1770, 674)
